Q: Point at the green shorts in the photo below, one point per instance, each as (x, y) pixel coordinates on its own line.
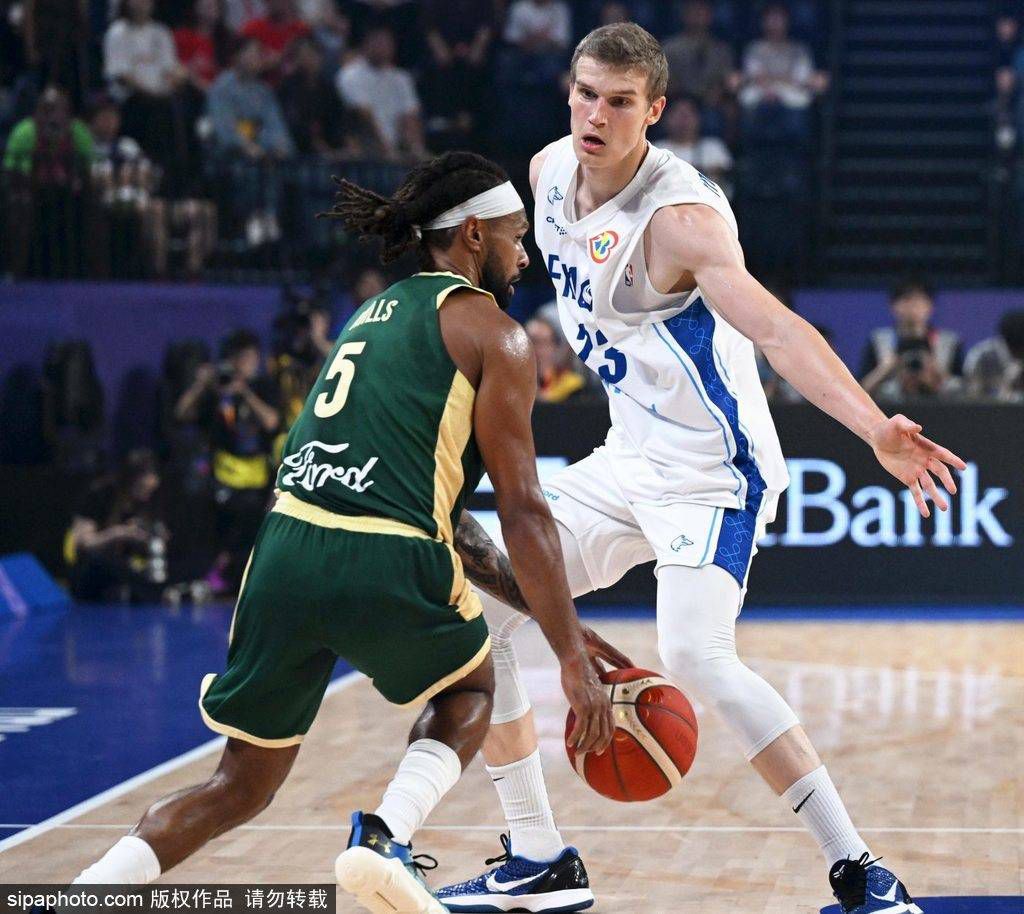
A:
(379, 594)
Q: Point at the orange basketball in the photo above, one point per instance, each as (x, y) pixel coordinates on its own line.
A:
(654, 743)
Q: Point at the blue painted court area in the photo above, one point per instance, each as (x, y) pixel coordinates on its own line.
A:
(989, 905)
(95, 695)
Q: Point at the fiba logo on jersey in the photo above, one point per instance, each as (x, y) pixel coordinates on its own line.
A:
(601, 245)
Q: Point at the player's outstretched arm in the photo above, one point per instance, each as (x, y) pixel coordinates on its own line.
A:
(696, 239)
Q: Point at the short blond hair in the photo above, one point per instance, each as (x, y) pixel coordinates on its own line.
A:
(626, 46)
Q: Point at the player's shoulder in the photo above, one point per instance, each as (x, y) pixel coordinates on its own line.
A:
(480, 337)
(689, 216)
(477, 313)
(540, 159)
(673, 174)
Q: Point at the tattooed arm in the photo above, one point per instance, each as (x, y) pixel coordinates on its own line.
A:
(486, 565)
(489, 568)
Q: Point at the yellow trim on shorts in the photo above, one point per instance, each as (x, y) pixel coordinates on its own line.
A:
(463, 597)
(241, 590)
(442, 684)
(234, 732)
(291, 506)
(453, 434)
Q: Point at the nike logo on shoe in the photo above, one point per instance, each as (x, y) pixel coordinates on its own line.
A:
(800, 805)
(496, 886)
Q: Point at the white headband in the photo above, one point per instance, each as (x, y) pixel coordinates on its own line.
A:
(498, 201)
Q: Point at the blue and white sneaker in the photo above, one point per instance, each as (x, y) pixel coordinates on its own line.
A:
(861, 887)
(524, 885)
(383, 875)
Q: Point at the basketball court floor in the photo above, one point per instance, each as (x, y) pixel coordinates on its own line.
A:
(920, 718)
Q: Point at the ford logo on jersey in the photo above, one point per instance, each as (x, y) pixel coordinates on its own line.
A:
(601, 245)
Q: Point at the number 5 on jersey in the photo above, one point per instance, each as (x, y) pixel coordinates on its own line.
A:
(330, 404)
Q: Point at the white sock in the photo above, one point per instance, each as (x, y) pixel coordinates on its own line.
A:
(524, 799)
(817, 804)
(129, 862)
(429, 770)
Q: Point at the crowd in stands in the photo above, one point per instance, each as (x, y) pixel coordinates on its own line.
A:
(224, 119)
(224, 415)
(150, 138)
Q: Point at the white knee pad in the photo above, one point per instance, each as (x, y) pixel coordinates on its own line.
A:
(510, 699)
(697, 645)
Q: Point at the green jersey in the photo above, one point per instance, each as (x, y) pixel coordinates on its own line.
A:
(387, 430)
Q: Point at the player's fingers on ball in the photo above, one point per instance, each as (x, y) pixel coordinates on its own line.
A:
(577, 730)
(616, 657)
(592, 731)
(612, 656)
(579, 736)
(607, 728)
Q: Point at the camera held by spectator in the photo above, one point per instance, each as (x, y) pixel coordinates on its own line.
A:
(911, 358)
(237, 405)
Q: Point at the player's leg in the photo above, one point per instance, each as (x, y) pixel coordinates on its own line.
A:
(443, 741)
(176, 826)
(540, 871)
(510, 750)
(537, 871)
(421, 636)
(264, 702)
(697, 609)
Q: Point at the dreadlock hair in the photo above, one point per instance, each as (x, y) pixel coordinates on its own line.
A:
(427, 191)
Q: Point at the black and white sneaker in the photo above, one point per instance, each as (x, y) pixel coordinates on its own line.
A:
(519, 884)
(862, 887)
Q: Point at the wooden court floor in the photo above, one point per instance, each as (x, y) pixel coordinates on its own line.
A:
(922, 726)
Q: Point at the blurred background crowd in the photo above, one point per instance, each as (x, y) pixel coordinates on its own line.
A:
(195, 141)
(200, 136)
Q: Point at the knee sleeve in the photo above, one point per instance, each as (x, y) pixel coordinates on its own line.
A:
(697, 645)
(510, 699)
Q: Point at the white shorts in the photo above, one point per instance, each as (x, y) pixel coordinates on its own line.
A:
(615, 534)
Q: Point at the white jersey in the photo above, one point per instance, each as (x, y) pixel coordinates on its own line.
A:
(690, 422)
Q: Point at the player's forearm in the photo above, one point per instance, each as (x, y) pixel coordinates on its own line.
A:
(801, 355)
(536, 557)
(486, 565)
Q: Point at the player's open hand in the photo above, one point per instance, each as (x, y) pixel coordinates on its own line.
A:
(599, 650)
(915, 461)
(589, 700)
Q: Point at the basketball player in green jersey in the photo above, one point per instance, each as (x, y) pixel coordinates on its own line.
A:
(429, 383)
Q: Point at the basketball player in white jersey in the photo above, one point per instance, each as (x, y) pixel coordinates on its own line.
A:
(651, 285)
